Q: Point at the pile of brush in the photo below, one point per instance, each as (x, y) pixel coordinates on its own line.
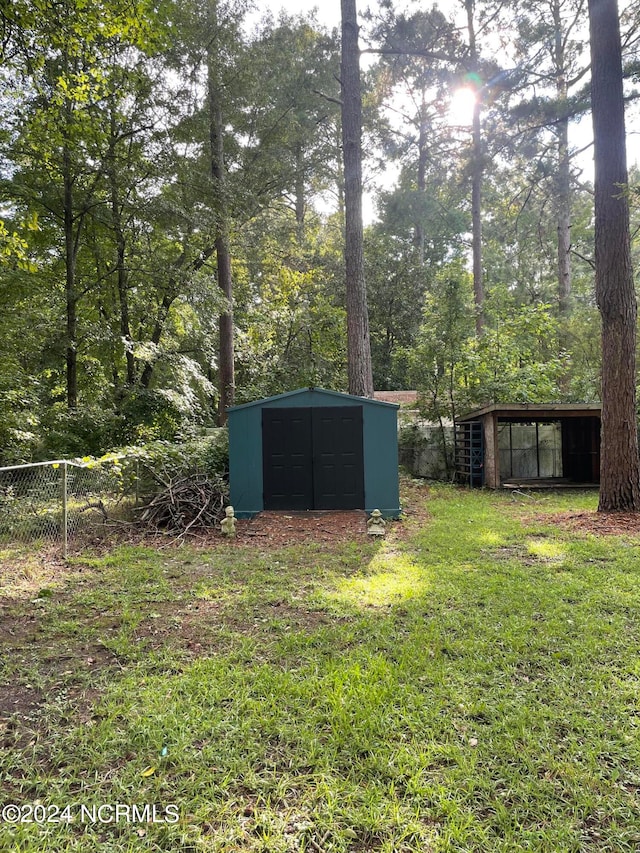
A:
(187, 504)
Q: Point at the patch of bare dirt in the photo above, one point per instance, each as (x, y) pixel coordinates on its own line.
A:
(270, 529)
(58, 667)
(190, 627)
(265, 530)
(599, 523)
(195, 627)
(16, 699)
(62, 675)
(281, 529)
(286, 615)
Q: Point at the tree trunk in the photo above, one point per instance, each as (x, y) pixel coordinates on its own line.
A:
(563, 183)
(615, 294)
(423, 152)
(301, 207)
(563, 190)
(477, 170)
(119, 237)
(226, 371)
(358, 344)
(71, 298)
(476, 221)
(340, 175)
(226, 377)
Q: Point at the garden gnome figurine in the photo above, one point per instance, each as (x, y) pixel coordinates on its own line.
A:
(228, 523)
(376, 524)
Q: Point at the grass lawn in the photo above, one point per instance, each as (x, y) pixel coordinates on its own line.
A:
(471, 683)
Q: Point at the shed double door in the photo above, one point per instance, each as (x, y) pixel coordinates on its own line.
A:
(313, 458)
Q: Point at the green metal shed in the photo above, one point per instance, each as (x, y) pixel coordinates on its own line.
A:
(313, 449)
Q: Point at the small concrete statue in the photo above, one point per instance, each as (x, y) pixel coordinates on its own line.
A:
(228, 523)
(376, 524)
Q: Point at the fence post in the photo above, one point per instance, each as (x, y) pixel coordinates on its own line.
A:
(65, 512)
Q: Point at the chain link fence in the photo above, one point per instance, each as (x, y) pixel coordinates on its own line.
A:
(55, 501)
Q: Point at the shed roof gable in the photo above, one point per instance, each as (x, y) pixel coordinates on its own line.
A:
(319, 391)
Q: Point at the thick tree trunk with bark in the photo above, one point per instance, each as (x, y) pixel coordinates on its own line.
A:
(615, 293)
(226, 375)
(226, 371)
(358, 344)
(340, 175)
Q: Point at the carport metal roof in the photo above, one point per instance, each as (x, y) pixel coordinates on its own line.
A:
(534, 411)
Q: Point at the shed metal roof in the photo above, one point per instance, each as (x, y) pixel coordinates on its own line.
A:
(552, 410)
(360, 400)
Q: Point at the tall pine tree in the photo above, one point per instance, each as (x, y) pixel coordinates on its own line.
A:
(615, 293)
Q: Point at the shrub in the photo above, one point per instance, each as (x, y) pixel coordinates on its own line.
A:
(149, 416)
(86, 431)
(151, 467)
(204, 455)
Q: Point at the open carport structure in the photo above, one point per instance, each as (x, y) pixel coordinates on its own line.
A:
(526, 444)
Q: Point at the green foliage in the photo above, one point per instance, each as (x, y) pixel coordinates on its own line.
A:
(86, 431)
(142, 416)
(148, 470)
(294, 121)
(91, 429)
(203, 455)
(106, 192)
(437, 363)
(515, 360)
(19, 425)
(14, 248)
(149, 416)
(159, 463)
(292, 331)
(396, 283)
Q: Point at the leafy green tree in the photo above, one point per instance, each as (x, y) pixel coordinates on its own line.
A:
(455, 371)
(515, 360)
(14, 249)
(290, 315)
(60, 67)
(400, 274)
(438, 362)
(295, 158)
(412, 82)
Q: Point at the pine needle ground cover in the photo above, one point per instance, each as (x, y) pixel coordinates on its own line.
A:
(471, 683)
